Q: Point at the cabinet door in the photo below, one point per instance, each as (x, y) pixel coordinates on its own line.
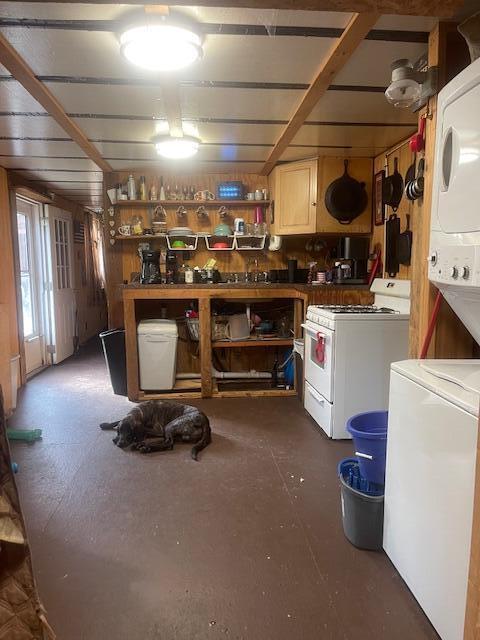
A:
(296, 198)
(332, 168)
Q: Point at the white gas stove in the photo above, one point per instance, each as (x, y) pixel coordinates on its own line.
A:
(348, 352)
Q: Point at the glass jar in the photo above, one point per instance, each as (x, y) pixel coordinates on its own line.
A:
(136, 224)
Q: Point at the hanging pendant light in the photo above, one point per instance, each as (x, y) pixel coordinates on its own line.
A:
(158, 44)
(176, 148)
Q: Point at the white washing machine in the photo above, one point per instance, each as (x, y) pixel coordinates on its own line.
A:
(430, 482)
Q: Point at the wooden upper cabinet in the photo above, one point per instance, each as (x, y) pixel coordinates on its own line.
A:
(298, 193)
(295, 197)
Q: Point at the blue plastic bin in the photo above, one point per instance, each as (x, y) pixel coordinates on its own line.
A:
(369, 433)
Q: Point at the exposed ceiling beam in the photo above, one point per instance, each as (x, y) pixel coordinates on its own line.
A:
(437, 8)
(173, 109)
(17, 66)
(355, 32)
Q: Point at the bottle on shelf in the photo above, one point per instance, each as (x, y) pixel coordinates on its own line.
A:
(170, 267)
(131, 188)
(162, 195)
(192, 193)
(168, 193)
(153, 191)
(143, 188)
(185, 193)
(176, 193)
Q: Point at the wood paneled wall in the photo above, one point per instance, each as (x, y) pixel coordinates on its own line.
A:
(385, 161)
(123, 258)
(9, 343)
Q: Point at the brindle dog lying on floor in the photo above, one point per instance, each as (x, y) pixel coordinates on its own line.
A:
(156, 425)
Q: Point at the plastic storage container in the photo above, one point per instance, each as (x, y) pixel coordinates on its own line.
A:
(369, 433)
(157, 354)
(362, 512)
(113, 343)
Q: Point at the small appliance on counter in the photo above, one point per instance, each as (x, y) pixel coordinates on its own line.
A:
(352, 260)
(151, 267)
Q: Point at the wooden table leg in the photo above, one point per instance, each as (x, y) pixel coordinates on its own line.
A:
(205, 346)
(131, 345)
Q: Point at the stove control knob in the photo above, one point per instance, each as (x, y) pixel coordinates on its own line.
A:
(454, 272)
(465, 273)
(433, 258)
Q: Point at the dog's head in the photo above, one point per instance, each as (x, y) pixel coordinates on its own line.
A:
(125, 433)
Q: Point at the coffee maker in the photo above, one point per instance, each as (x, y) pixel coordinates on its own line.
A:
(151, 267)
(353, 252)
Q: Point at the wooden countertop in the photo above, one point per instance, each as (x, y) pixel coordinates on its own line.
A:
(304, 288)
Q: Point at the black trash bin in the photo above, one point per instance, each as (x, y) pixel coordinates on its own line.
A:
(362, 507)
(113, 342)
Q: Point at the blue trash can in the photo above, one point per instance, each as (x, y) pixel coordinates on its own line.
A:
(369, 433)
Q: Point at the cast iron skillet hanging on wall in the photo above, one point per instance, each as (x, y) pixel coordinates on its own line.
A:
(346, 198)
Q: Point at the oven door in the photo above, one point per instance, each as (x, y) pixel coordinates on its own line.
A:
(319, 358)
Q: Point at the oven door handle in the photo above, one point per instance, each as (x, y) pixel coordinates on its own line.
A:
(316, 395)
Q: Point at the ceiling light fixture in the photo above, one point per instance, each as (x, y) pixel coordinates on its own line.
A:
(410, 88)
(176, 148)
(160, 45)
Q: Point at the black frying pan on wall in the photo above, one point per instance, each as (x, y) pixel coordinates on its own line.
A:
(346, 198)
(393, 187)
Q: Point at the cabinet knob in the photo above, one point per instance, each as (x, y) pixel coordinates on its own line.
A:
(314, 204)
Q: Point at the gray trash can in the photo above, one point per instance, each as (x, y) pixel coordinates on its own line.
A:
(362, 507)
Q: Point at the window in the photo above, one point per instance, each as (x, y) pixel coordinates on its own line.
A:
(26, 275)
(62, 254)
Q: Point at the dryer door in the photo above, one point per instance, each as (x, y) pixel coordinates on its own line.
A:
(458, 157)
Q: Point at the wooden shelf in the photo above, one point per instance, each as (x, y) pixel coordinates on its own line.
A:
(142, 238)
(254, 342)
(193, 203)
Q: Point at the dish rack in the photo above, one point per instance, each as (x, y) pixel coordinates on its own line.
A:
(250, 243)
(212, 239)
(219, 328)
(190, 240)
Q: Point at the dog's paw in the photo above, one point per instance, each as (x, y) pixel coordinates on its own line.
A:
(143, 448)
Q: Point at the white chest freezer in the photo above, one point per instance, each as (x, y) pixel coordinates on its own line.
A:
(430, 483)
(157, 354)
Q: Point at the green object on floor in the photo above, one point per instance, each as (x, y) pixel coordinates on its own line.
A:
(28, 435)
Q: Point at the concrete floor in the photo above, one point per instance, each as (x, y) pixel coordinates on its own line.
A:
(245, 544)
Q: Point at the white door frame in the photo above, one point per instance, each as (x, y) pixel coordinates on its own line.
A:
(34, 343)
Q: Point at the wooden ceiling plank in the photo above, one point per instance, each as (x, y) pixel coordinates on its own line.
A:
(355, 32)
(17, 66)
(436, 8)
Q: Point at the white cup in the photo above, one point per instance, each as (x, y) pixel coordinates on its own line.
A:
(125, 230)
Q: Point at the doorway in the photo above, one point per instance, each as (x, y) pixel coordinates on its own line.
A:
(31, 281)
(46, 275)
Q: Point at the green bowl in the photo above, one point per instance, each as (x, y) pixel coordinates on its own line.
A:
(178, 244)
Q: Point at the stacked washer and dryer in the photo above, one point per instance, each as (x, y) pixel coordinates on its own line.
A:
(434, 404)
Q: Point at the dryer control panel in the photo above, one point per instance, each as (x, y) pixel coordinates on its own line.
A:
(458, 265)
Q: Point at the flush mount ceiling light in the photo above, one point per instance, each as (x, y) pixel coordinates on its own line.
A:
(158, 44)
(176, 148)
(410, 88)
